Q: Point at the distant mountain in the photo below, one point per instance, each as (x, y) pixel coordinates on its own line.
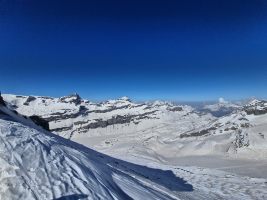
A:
(71, 116)
(156, 130)
(220, 108)
(242, 131)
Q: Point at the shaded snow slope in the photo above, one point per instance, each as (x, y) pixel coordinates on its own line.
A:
(35, 164)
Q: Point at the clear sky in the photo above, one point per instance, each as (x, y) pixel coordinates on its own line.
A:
(101, 49)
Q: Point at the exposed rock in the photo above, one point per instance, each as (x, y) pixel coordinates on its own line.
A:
(241, 139)
(2, 102)
(67, 128)
(73, 98)
(28, 100)
(118, 119)
(245, 125)
(199, 133)
(71, 114)
(112, 108)
(40, 122)
(65, 115)
(175, 109)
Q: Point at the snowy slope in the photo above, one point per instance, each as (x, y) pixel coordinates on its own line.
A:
(155, 131)
(242, 132)
(35, 164)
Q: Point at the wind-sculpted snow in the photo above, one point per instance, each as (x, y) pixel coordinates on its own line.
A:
(36, 164)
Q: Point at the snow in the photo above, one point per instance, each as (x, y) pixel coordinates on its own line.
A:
(38, 165)
(148, 160)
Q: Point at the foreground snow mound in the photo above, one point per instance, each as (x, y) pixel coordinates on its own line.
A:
(35, 164)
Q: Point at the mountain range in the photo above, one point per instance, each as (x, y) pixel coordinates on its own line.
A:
(72, 148)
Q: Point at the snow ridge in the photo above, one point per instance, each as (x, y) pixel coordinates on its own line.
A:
(36, 164)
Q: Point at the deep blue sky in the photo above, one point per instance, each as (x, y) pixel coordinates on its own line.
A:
(169, 49)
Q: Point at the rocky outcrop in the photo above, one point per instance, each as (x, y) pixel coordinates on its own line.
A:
(28, 100)
(40, 122)
(241, 139)
(2, 102)
(73, 98)
(67, 114)
(198, 133)
(175, 109)
(118, 119)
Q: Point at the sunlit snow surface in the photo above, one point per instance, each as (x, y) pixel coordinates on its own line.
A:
(166, 165)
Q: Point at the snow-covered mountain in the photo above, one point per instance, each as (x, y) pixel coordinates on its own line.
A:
(158, 130)
(36, 164)
(72, 117)
(243, 132)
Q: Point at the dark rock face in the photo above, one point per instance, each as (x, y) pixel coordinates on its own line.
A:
(83, 111)
(74, 98)
(2, 102)
(175, 109)
(40, 122)
(199, 133)
(256, 112)
(241, 139)
(61, 129)
(118, 119)
(28, 100)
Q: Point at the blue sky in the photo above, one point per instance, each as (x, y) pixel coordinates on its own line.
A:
(174, 50)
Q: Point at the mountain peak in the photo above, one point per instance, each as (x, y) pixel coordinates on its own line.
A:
(72, 98)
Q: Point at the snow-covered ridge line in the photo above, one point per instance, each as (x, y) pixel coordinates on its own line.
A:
(160, 128)
(35, 164)
(71, 114)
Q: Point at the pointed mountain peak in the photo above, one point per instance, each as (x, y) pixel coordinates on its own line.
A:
(72, 98)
